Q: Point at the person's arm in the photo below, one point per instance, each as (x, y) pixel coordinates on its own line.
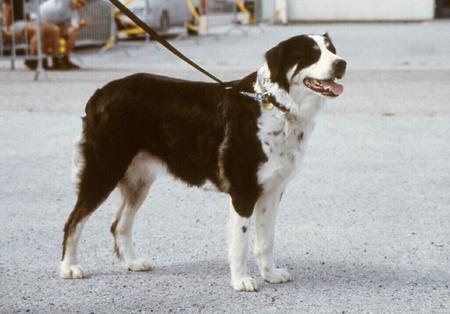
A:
(6, 13)
(78, 22)
(75, 19)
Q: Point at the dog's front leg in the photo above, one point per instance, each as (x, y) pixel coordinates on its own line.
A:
(237, 251)
(265, 211)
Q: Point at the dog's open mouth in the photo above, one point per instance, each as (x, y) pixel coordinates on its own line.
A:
(325, 87)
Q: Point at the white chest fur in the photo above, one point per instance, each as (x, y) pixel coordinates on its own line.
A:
(284, 136)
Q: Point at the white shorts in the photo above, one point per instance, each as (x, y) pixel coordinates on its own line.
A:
(18, 27)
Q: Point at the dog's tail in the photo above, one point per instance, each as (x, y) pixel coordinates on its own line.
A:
(81, 142)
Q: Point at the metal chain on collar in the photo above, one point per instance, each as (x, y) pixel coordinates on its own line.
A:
(267, 100)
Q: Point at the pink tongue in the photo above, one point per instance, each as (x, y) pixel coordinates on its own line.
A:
(334, 87)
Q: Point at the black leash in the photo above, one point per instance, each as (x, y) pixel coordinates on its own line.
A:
(267, 100)
(154, 35)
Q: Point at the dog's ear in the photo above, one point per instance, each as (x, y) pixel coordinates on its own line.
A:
(274, 61)
(330, 45)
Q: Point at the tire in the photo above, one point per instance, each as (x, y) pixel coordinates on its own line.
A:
(164, 22)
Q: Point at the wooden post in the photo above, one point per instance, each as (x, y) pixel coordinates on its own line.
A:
(203, 4)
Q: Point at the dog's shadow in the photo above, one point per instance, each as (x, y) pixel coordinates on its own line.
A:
(311, 274)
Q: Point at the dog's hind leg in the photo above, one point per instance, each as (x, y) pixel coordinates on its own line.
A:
(89, 199)
(134, 188)
(96, 181)
(265, 212)
(69, 268)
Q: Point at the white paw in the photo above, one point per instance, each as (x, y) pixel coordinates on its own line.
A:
(139, 264)
(245, 284)
(277, 275)
(71, 272)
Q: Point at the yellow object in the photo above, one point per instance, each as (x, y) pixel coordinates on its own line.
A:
(117, 11)
(109, 44)
(131, 29)
(242, 8)
(193, 9)
(201, 25)
(62, 46)
(268, 105)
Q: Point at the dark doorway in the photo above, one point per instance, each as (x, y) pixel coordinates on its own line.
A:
(443, 8)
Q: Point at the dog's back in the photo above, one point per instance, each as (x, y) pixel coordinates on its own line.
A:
(180, 122)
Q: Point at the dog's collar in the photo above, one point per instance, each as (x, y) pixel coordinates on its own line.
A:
(267, 100)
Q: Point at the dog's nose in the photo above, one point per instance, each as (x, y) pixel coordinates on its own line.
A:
(339, 68)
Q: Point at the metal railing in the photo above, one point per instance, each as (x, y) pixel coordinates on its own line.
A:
(16, 45)
(99, 29)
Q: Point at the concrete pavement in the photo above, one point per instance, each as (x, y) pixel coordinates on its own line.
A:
(364, 228)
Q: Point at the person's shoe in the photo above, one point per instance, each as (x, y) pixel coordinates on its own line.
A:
(69, 65)
(33, 63)
(57, 64)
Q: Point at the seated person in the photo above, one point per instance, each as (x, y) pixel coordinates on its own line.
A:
(64, 15)
(16, 23)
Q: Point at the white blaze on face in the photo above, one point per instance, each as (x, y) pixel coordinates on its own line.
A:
(319, 77)
(323, 68)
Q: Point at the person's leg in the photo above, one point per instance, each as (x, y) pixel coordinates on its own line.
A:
(70, 33)
(51, 34)
(30, 31)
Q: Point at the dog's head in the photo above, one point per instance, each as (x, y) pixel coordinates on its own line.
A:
(307, 61)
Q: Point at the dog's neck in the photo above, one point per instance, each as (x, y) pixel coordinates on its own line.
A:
(300, 101)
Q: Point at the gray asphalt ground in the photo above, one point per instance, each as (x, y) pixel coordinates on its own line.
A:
(364, 228)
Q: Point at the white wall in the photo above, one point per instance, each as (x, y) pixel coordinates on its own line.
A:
(267, 9)
(355, 10)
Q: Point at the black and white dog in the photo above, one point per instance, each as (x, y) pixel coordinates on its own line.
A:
(247, 140)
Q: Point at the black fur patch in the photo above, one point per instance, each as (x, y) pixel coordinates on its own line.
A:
(329, 44)
(300, 50)
(180, 122)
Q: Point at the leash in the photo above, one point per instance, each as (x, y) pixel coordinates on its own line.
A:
(154, 35)
(267, 100)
